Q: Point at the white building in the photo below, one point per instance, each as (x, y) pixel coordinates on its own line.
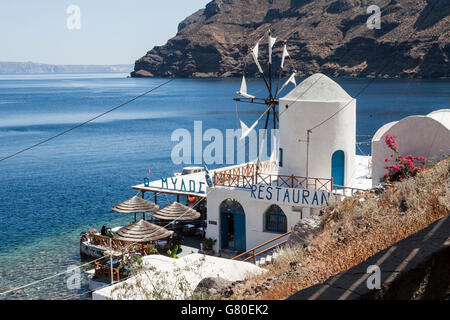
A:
(427, 136)
(331, 144)
(245, 206)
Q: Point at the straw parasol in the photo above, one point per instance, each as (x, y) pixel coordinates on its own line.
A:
(176, 211)
(142, 231)
(135, 205)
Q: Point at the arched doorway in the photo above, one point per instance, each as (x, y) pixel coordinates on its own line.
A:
(338, 167)
(232, 225)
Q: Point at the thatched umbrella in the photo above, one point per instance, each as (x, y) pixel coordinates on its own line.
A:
(135, 205)
(142, 231)
(176, 211)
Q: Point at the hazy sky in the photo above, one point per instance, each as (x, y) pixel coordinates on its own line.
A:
(111, 31)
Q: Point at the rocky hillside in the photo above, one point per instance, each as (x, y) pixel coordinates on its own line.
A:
(357, 228)
(330, 36)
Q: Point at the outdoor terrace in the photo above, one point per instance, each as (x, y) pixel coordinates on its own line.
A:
(246, 175)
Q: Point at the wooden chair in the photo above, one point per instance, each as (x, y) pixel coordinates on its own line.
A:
(103, 271)
(100, 271)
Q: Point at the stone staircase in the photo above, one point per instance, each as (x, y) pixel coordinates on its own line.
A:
(264, 253)
(267, 259)
(263, 259)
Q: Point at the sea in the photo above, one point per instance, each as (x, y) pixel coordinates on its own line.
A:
(55, 190)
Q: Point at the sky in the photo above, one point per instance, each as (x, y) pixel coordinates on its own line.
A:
(110, 31)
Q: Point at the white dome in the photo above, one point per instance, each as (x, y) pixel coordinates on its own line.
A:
(442, 115)
(318, 87)
(380, 132)
(427, 136)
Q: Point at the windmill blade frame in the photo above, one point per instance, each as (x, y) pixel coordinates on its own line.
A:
(247, 129)
(271, 102)
(243, 90)
(291, 79)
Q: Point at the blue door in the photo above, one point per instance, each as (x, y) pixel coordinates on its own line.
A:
(338, 167)
(224, 230)
(239, 231)
(232, 225)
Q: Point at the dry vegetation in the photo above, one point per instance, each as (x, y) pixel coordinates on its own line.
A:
(354, 230)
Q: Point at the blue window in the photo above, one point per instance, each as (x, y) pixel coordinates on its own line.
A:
(281, 158)
(275, 220)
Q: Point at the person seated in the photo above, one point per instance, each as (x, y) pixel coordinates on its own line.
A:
(109, 233)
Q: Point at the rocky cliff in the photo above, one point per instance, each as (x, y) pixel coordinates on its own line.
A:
(330, 36)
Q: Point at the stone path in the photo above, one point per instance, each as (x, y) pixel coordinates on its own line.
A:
(403, 267)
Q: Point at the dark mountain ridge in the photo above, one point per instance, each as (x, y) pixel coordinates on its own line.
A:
(329, 36)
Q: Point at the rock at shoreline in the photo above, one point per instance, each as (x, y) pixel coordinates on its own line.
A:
(325, 36)
(213, 286)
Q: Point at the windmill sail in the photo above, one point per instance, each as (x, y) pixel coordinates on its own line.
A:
(271, 43)
(291, 79)
(271, 102)
(261, 148)
(243, 91)
(255, 52)
(246, 130)
(285, 54)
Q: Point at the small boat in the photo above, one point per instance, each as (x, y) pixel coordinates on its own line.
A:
(93, 245)
(189, 170)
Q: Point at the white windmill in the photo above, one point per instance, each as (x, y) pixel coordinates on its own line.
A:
(271, 101)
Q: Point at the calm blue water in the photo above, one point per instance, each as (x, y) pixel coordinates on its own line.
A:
(49, 194)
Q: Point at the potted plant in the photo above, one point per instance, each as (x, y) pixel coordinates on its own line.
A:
(208, 244)
(173, 252)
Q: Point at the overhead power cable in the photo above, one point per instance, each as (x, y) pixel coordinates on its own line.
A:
(388, 62)
(86, 122)
(47, 278)
(80, 266)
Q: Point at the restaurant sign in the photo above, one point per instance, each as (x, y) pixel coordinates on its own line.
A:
(290, 196)
(179, 184)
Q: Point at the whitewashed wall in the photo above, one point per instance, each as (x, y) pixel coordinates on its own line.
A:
(254, 216)
(311, 102)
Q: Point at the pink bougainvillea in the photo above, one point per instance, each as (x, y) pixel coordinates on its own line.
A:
(390, 142)
(403, 167)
